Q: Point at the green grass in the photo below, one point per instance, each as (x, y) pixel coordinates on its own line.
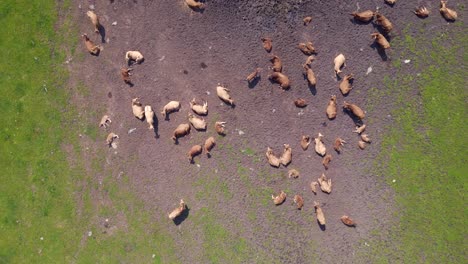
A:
(219, 244)
(41, 221)
(35, 198)
(426, 154)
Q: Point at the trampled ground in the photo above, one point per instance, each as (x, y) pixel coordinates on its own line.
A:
(187, 53)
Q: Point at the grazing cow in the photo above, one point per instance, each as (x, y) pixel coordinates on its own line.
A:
(90, 46)
(138, 109)
(178, 211)
(364, 16)
(345, 85)
(319, 146)
(110, 138)
(348, 221)
(199, 109)
(134, 55)
(319, 213)
(197, 123)
(277, 64)
(279, 199)
(286, 157)
(384, 23)
(95, 20)
(223, 94)
(339, 62)
(105, 121)
(325, 183)
(219, 128)
(447, 13)
(209, 145)
(172, 106)
(181, 131)
(273, 160)
(338, 143)
(331, 108)
(194, 151)
(381, 40)
(267, 44)
(305, 142)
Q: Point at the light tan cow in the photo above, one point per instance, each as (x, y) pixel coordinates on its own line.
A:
(178, 211)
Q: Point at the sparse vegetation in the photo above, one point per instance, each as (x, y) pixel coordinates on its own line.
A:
(219, 244)
(40, 192)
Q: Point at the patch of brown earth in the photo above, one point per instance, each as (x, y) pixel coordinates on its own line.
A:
(187, 54)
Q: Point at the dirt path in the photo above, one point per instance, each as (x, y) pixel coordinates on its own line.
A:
(187, 54)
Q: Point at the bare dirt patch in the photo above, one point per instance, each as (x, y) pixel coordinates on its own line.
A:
(187, 54)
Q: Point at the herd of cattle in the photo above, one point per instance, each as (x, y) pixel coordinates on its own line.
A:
(146, 112)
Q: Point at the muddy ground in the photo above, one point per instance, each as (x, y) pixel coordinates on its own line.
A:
(187, 53)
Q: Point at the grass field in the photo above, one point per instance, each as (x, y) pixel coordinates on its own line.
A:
(424, 151)
(40, 189)
(36, 202)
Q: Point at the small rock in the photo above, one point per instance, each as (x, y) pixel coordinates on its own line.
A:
(90, 233)
(241, 132)
(153, 256)
(131, 130)
(41, 238)
(274, 110)
(114, 23)
(162, 58)
(407, 61)
(91, 7)
(79, 6)
(114, 145)
(394, 180)
(369, 70)
(198, 165)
